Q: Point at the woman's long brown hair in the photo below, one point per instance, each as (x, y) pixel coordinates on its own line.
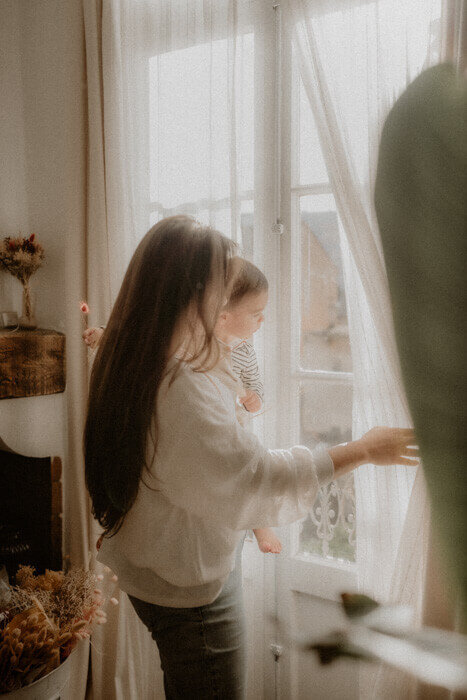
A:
(180, 270)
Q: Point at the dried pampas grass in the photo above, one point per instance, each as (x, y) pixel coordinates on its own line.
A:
(42, 620)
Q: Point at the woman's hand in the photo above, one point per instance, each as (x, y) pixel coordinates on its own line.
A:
(382, 446)
(92, 336)
(390, 446)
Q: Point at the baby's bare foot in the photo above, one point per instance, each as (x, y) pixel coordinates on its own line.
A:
(268, 542)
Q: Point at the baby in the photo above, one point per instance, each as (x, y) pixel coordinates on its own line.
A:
(237, 368)
(241, 317)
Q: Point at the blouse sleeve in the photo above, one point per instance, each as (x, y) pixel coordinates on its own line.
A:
(208, 465)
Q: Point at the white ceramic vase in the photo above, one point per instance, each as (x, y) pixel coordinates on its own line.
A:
(48, 687)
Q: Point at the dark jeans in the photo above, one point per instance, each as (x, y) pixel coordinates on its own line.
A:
(202, 650)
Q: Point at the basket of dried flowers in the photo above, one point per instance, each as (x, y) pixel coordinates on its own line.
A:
(21, 257)
(42, 619)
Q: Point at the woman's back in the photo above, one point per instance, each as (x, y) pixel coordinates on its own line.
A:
(209, 480)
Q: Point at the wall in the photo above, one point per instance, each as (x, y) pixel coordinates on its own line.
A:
(43, 155)
(42, 140)
(13, 200)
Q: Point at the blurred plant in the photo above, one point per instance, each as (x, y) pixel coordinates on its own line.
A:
(385, 633)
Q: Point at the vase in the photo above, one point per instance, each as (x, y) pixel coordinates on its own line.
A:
(48, 687)
(28, 319)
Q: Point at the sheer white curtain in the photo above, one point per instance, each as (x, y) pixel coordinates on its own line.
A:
(201, 111)
(355, 59)
(395, 42)
(170, 128)
(123, 655)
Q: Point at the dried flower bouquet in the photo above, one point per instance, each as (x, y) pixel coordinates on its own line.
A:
(42, 619)
(21, 257)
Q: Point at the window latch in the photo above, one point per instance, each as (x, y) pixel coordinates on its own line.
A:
(278, 228)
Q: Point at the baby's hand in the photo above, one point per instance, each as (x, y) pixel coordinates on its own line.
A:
(92, 336)
(251, 401)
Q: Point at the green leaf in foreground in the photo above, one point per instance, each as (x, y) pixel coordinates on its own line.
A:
(356, 604)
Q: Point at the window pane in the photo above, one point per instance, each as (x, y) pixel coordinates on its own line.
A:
(221, 220)
(201, 128)
(324, 335)
(387, 42)
(326, 418)
(312, 166)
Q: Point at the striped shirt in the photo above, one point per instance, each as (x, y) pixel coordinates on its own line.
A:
(245, 366)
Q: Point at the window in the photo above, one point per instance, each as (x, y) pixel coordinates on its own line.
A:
(201, 134)
(210, 152)
(203, 142)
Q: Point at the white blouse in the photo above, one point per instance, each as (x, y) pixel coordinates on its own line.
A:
(209, 480)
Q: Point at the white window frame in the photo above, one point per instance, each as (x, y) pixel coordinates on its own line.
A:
(325, 577)
(322, 579)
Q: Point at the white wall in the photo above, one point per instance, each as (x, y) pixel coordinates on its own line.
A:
(42, 155)
(42, 140)
(13, 200)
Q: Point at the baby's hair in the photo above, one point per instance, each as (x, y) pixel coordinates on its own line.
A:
(249, 280)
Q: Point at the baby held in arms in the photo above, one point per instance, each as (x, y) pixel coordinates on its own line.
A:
(237, 368)
(239, 320)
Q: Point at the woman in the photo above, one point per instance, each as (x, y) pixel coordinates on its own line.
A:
(174, 479)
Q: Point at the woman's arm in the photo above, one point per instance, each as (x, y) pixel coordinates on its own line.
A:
(210, 466)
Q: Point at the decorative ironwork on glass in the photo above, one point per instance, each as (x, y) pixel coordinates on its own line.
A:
(326, 419)
(329, 528)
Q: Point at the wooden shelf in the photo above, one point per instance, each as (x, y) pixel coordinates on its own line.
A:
(32, 363)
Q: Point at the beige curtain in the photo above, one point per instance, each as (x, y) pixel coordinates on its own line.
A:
(124, 659)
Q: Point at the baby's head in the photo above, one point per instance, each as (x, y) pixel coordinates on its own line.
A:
(244, 312)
